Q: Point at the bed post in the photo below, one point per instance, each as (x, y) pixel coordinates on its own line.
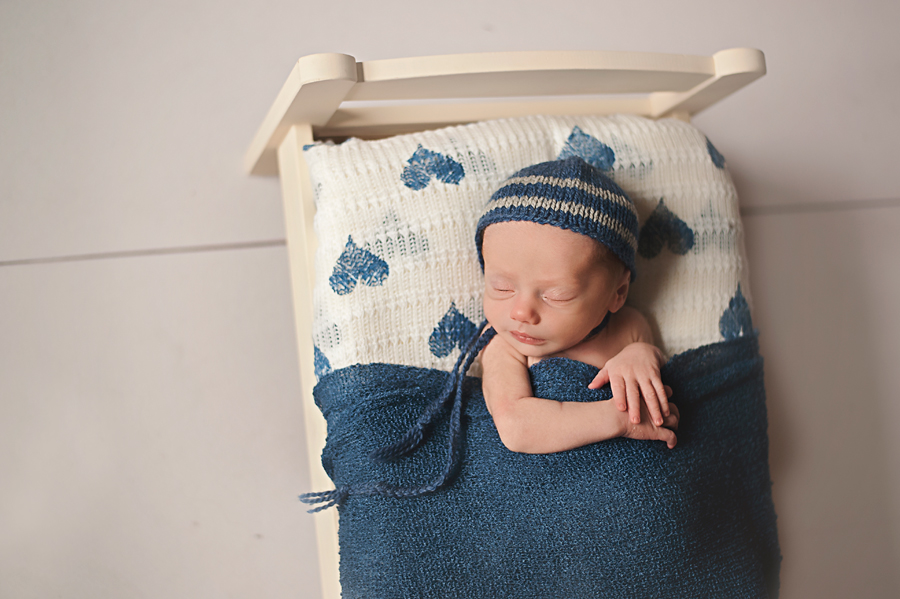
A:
(735, 68)
(299, 209)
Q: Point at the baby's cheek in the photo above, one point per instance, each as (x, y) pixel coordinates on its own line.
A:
(492, 307)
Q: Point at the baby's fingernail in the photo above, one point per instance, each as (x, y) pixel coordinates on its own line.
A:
(659, 421)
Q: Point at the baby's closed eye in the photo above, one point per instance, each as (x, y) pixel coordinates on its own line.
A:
(498, 284)
(500, 290)
(558, 297)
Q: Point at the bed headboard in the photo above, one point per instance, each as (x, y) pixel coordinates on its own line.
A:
(339, 97)
(332, 96)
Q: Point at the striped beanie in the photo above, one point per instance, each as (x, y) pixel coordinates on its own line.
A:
(569, 194)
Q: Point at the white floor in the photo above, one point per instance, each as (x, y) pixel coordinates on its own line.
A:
(150, 435)
(825, 285)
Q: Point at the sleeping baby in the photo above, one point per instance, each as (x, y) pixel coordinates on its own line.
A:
(557, 243)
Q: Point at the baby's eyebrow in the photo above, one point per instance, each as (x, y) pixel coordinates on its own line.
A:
(561, 291)
(561, 284)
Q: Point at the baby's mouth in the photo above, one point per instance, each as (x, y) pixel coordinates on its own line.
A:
(527, 339)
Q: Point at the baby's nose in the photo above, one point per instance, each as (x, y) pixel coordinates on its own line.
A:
(523, 310)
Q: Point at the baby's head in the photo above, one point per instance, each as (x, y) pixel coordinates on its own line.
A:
(568, 194)
(557, 244)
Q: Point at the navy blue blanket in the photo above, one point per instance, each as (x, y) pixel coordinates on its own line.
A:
(620, 518)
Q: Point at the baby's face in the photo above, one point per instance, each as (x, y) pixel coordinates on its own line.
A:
(546, 288)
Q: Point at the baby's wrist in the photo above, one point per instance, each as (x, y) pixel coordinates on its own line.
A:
(617, 419)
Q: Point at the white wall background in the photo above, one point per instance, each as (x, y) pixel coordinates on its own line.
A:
(151, 441)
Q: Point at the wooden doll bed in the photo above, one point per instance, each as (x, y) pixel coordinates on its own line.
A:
(334, 97)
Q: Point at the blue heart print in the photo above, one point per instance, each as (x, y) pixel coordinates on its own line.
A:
(736, 321)
(717, 158)
(321, 365)
(425, 164)
(357, 265)
(590, 149)
(664, 228)
(454, 330)
(397, 238)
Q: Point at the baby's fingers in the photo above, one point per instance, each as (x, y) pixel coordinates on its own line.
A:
(601, 379)
(654, 404)
(633, 396)
(662, 392)
(673, 418)
(671, 421)
(618, 389)
(669, 437)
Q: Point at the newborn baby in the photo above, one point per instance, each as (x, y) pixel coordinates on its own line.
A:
(557, 243)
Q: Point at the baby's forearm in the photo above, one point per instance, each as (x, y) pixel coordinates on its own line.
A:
(535, 425)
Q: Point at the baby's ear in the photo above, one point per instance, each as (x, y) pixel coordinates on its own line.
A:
(621, 293)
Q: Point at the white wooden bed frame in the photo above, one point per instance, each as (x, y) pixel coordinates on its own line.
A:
(332, 96)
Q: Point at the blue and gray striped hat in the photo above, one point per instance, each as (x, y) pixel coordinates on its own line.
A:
(570, 194)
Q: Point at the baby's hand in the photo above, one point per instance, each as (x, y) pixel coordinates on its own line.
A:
(632, 373)
(647, 431)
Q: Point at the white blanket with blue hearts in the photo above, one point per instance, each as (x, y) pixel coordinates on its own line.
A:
(397, 275)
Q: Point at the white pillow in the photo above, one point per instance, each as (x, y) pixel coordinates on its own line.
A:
(397, 276)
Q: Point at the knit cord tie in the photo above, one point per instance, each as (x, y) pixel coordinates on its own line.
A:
(416, 434)
(453, 389)
(326, 498)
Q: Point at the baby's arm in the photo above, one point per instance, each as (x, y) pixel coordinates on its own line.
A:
(635, 370)
(530, 424)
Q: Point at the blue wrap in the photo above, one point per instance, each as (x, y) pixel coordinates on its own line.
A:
(615, 519)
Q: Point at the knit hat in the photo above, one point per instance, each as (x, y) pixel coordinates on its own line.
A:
(569, 194)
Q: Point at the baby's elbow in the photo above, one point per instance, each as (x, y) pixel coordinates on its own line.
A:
(512, 434)
(514, 442)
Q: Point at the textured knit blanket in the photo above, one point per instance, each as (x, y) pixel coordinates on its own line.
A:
(397, 275)
(620, 518)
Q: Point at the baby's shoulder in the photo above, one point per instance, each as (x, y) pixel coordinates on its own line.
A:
(596, 349)
(625, 327)
(628, 325)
